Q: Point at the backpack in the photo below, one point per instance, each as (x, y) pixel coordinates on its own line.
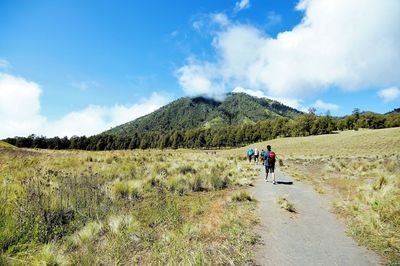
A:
(272, 157)
(263, 154)
(250, 152)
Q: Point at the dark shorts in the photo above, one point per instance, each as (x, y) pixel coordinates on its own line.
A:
(270, 168)
(256, 156)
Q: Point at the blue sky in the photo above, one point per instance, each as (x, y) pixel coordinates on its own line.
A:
(80, 67)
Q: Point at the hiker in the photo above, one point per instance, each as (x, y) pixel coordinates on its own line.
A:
(250, 153)
(262, 156)
(269, 162)
(256, 155)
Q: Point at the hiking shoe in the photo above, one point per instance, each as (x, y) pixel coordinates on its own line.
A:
(273, 182)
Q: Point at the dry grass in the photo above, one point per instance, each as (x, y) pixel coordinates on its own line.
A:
(242, 196)
(285, 204)
(124, 207)
(349, 143)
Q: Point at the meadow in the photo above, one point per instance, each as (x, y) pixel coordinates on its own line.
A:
(5, 145)
(186, 207)
(360, 173)
(146, 207)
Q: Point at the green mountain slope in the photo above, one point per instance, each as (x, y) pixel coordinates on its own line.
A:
(189, 112)
(397, 110)
(5, 145)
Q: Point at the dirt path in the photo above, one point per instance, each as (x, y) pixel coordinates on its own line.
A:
(313, 236)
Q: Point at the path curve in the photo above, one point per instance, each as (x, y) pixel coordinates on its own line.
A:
(313, 236)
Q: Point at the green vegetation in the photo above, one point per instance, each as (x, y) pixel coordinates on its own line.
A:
(242, 196)
(188, 113)
(5, 145)
(360, 171)
(127, 207)
(214, 134)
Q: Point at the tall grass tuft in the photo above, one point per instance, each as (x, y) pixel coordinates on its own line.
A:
(242, 196)
(286, 204)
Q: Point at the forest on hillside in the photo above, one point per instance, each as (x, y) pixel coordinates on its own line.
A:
(216, 137)
(187, 113)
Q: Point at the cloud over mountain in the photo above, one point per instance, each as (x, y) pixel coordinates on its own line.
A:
(349, 45)
(20, 112)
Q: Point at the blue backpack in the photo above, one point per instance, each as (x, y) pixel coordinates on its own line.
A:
(250, 152)
(263, 154)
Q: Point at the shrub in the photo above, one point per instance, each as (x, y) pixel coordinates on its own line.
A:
(186, 169)
(127, 189)
(87, 234)
(178, 184)
(242, 196)
(121, 189)
(286, 204)
(218, 183)
(50, 255)
(197, 183)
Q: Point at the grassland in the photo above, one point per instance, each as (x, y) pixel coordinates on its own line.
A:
(360, 172)
(185, 207)
(125, 207)
(5, 145)
(361, 143)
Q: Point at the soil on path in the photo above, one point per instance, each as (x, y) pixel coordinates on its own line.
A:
(312, 236)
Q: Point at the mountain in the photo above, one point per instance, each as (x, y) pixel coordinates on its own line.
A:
(187, 112)
(397, 110)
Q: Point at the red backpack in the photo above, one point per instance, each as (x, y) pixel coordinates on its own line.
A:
(271, 157)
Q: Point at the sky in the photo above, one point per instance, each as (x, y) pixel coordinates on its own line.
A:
(81, 67)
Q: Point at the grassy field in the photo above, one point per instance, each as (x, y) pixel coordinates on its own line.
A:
(360, 172)
(125, 207)
(185, 207)
(5, 145)
(361, 143)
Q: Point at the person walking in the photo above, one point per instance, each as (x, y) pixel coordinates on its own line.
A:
(262, 156)
(256, 155)
(250, 153)
(269, 162)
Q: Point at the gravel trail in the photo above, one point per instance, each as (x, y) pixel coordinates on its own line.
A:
(312, 236)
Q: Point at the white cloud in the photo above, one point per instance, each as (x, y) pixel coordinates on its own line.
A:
(4, 63)
(321, 105)
(84, 85)
(389, 94)
(343, 44)
(95, 119)
(240, 5)
(211, 23)
(20, 112)
(220, 19)
(19, 106)
(255, 93)
(200, 79)
(197, 24)
(294, 103)
(273, 19)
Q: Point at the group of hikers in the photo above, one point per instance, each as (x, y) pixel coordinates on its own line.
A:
(268, 159)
